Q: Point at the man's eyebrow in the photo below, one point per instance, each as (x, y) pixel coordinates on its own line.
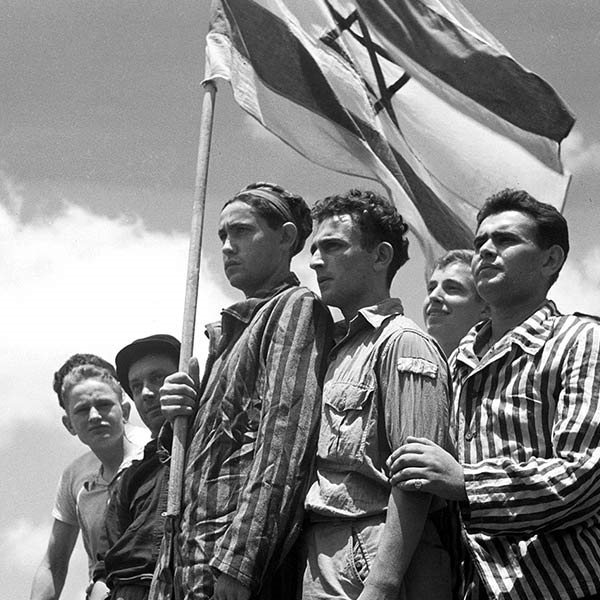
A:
(454, 282)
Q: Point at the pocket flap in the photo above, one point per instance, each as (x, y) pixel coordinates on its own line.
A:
(344, 395)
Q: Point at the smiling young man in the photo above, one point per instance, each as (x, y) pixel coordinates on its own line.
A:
(526, 389)
(386, 380)
(135, 516)
(253, 439)
(452, 305)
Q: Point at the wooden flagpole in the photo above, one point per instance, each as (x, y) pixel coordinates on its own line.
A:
(180, 425)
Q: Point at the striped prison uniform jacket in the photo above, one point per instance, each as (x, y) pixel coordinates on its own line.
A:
(527, 422)
(252, 445)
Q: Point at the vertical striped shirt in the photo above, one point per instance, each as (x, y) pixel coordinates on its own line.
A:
(253, 442)
(527, 422)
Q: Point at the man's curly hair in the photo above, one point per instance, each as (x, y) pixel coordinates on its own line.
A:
(296, 204)
(88, 371)
(77, 360)
(377, 219)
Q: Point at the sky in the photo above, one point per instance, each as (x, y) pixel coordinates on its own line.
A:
(99, 114)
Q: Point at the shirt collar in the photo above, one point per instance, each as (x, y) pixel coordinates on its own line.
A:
(96, 480)
(245, 310)
(369, 316)
(530, 335)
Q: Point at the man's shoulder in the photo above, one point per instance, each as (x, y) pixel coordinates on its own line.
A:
(587, 317)
(399, 322)
(142, 469)
(289, 301)
(409, 340)
(86, 463)
(295, 293)
(80, 470)
(399, 328)
(576, 323)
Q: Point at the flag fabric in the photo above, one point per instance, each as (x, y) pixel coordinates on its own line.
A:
(414, 94)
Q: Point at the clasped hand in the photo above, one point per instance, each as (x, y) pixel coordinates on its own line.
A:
(421, 465)
(178, 394)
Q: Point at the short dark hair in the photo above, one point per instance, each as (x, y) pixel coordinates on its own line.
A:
(377, 218)
(88, 371)
(76, 360)
(296, 204)
(551, 226)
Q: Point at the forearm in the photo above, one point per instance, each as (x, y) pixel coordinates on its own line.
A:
(404, 525)
(50, 576)
(48, 583)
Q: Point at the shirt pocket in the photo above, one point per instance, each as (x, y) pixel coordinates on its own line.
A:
(346, 422)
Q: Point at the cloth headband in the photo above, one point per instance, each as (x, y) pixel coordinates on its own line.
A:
(274, 200)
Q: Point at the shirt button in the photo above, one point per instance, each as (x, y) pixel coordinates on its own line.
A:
(469, 436)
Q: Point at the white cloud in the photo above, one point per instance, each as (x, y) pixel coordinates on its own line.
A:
(80, 282)
(578, 287)
(23, 544)
(579, 155)
(22, 547)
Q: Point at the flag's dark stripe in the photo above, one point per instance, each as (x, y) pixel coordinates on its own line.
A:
(495, 81)
(282, 62)
(288, 69)
(448, 229)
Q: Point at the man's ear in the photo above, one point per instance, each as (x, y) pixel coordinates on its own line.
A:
(289, 234)
(68, 425)
(555, 258)
(126, 408)
(384, 253)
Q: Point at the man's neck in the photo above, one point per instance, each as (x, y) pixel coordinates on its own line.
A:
(275, 281)
(506, 318)
(111, 459)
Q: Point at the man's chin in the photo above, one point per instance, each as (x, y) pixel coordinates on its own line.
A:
(436, 321)
(329, 299)
(235, 281)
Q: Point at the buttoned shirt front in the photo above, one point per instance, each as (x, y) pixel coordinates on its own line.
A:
(527, 426)
(386, 380)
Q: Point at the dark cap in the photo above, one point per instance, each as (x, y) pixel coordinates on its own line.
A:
(160, 343)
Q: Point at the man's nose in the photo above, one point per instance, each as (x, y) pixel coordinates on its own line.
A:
(148, 390)
(94, 414)
(435, 294)
(316, 260)
(487, 249)
(227, 246)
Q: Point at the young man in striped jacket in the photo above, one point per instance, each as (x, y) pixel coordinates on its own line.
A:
(253, 438)
(527, 420)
